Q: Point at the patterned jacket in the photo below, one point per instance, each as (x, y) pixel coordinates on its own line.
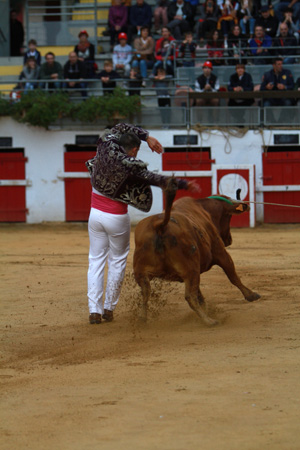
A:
(121, 177)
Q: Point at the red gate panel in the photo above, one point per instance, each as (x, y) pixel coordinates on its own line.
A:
(281, 168)
(12, 198)
(190, 161)
(77, 190)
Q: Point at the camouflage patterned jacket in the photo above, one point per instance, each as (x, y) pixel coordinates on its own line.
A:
(121, 177)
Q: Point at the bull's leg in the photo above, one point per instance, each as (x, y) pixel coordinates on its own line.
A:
(192, 297)
(144, 283)
(224, 260)
(201, 299)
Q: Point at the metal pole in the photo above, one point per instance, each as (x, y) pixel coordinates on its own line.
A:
(95, 27)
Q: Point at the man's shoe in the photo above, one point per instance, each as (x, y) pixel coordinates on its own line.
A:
(95, 318)
(108, 315)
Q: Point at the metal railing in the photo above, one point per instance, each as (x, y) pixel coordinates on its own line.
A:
(183, 113)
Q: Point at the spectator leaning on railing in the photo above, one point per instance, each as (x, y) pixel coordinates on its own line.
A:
(260, 46)
(277, 79)
(75, 70)
(240, 81)
(286, 45)
(108, 76)
(52, 71)
(29, 75)
(207, 82)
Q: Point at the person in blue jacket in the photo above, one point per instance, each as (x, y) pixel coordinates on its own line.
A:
(277, 79)
(140, 15)
(259, 45)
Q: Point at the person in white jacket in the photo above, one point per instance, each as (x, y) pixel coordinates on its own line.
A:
(122, 55)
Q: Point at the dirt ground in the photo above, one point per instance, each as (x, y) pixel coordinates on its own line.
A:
(169, 384)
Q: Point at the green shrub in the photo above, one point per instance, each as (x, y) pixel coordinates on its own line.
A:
(40, 108)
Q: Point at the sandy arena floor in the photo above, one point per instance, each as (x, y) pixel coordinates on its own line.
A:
(169, 384)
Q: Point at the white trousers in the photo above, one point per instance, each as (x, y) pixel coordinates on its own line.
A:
(109, 242)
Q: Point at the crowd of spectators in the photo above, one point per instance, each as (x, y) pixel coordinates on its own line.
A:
(225, 32)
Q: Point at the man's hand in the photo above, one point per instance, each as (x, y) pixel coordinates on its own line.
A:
(154, 145)
(193, 186)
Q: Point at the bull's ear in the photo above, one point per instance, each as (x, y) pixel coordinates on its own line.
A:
(239, 208)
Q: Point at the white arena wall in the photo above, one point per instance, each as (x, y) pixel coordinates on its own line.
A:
(45, 199)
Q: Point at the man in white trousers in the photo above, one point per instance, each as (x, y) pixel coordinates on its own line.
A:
(118, 180)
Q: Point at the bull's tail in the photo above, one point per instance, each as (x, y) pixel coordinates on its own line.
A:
(170, 193)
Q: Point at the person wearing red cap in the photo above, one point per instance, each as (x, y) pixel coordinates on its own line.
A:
(122, 55)
(207, 82)
(86, 53)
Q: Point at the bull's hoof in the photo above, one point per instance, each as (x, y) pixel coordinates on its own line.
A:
(211, 322)
(252, 297)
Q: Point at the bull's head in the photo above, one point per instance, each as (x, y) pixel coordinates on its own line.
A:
(221, 209)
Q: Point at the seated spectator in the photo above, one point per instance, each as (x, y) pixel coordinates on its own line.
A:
(187, 50)
(267, 21)
(246, 17)
(292, 26)
(140, 15)
(134, 82)
(207, 82)
(117, 21)
(143, 56)
(29, 75)
(207, 22)
(283, 41)
(237, 44)
(32, 52)
(74, 69)
(160, 14)
(280, 7)
(215, 48)
(228, 17)
(259, 46)
(122, 55)
(163, 54)
(161, 83)
(85, 51)
(240, 81)
(277, 79)
(52, 71)
(108, 77)
(180, 18)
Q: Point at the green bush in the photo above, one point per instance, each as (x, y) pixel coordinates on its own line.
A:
(40, 108)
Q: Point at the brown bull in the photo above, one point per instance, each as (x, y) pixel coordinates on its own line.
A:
(185, 241)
